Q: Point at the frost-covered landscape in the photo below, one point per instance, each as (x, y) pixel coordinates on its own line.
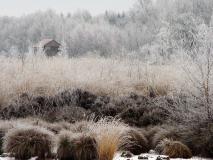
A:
(106, 80)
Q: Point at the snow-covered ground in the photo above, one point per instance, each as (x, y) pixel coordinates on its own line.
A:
(118, 157)
(153, 157)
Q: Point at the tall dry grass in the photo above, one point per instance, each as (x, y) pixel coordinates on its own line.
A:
(114, 76)
(108, 132)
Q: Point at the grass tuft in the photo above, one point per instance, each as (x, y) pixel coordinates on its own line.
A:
(28, 142)
(134, 141)
(173, 149)
(108, 132)
(76, 146)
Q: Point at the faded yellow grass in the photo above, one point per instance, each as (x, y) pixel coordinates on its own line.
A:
(108, 132)
(108, 146)
(41, 75)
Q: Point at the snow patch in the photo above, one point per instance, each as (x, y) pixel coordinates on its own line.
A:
(154, 157)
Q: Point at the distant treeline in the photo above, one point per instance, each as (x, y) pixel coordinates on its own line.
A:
(150, 27)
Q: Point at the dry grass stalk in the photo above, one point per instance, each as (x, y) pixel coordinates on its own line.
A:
(100, 75)
(108, 132)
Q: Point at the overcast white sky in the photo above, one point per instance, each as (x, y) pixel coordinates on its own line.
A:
(21, 7)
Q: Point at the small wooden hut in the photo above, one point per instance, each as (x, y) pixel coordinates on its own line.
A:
(49, 46)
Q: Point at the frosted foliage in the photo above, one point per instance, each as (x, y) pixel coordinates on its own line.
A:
(163, 25)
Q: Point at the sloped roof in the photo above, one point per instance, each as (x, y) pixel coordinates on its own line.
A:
(44, 42)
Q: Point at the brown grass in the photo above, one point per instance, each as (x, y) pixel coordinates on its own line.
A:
(48, 76)
(108, 132)
(107, 146)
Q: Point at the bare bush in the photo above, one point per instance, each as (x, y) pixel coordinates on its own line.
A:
(200, 75)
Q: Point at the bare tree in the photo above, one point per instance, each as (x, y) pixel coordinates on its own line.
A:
(200, 75)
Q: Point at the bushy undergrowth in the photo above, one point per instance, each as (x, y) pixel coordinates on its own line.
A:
(77, 105)
(175, 117)
(101, 139)
(199, 138)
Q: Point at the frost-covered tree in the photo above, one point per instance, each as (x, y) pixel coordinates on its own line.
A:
(168, 24)
(63, 49)
(184, 30)
(14, 51)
